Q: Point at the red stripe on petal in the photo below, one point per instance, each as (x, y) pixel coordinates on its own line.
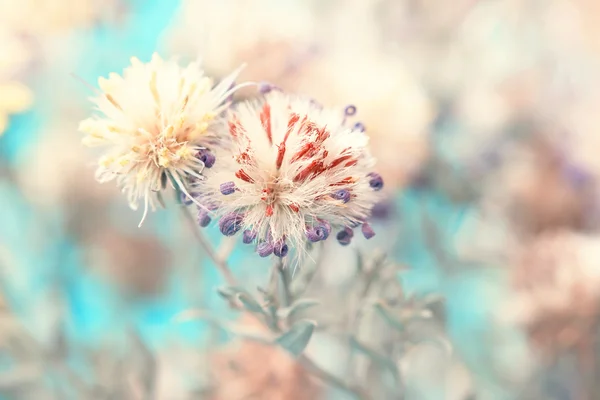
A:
(280, 155)
(265, 119)
(241, 174)
(314, 168)
(338, 161)
(346, 181)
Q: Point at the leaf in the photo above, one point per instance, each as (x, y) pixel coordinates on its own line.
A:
(296, 339)
(228, 292)
(387, 314)
(249, 303)
(296, 308)
(237, 294)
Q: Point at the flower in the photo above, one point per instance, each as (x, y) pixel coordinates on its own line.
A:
(15, 97)
(292, 172)
(158, 122)
(273, 38)
(555, 281)
(43, 17)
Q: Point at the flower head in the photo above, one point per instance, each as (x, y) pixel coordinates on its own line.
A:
(293, 171)
(157, 122)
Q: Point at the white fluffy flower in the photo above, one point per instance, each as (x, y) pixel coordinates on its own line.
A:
(157, 122)
(293, 171)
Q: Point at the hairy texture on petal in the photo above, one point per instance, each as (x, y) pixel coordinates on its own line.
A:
(156, 121)
(294, 166)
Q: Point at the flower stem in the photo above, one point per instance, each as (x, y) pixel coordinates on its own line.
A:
(285, 282)
(210, 252)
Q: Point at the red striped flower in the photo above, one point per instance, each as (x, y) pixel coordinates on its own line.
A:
(293, 169)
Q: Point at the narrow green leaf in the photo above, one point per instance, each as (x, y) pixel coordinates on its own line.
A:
(296, 308)
(296, 339)
(249, 303)
(229, 292)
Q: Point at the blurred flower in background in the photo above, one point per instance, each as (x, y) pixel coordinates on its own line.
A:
(15, 96)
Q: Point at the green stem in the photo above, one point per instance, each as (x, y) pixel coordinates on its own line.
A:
(286, 299)
(210, 252)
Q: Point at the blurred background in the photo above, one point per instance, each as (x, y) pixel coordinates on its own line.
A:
(484, 118)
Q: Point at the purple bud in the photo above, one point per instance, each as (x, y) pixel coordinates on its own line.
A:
(203, 218)
(317, 233)
(343, 195)
(367, 231)
(350, 110)
(375, 181)
(382, 210)
(227, 188)
(206, 157)
(345, 237)
(248, 236)
(231, 223)
(280, 249)
(266, 87)
(326, 225)
(264, 249)
(359, 126)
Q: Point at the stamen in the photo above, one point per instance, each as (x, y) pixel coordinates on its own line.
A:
(207, 158)
(367, 231)
(264, 249)
(375, 181)
(248, 236)
(345, 237)
(280, 249)
(203, 218)
(227, 188)
(343, 195)
(231, 223)
(350, 110)
(359, 126)
(266, 87)
(317, 233)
